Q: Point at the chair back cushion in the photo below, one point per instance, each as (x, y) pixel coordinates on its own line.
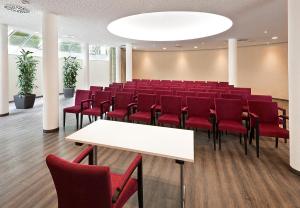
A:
(199, 107)
(228, 109)
(266, 111)
(122, 100)
(267, 98)
(171, 104)
(145, 101)
(102, 96)
(82, 95)
(94, 89)
(79, 185)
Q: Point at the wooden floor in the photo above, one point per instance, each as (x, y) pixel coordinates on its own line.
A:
(225, 178)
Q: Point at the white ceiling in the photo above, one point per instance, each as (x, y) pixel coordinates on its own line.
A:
(87, 20)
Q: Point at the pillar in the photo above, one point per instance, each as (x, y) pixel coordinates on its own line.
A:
(118, 65)
(4, 99)
(128, 62)
(294, 84)
(50, 74)
(86, 65)
(232, 62)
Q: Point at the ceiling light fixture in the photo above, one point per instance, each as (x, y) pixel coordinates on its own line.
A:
(195, 47)
(274, 38)
(266, 31)
(169, 26)
(16, 8)
(164, 48)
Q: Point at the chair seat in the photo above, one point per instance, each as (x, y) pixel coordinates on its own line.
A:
(198, 122)
(232, 126)
(73, 109)
(271, 130)
(168, 119)
(118, 113)
(141, 116)
(129, 189)
(92, 111)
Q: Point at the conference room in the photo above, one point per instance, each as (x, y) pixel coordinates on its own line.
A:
(155, 104)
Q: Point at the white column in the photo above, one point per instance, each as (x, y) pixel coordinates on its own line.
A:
(128, 62)
(294, 84)
(86, 65)
(4, 108)
(50, 73)
(232, 62)
(118, 64)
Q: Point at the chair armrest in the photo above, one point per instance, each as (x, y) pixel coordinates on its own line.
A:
(136, 163)
(85, 101)
(153, 107)
(184, 109)
(253, 115)
(284, 117)
(87, 151)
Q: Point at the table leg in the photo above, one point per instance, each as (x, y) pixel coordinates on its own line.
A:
(182, 186)
(95, 155)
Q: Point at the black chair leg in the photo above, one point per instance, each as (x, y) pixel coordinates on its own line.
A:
(77, 122)
(257, 146)
(64, 119)
(81, 118)
(215, 140)
(276, 145)
(208, 132)
(90, 119)
(245, 141)
(219, 140)
(240, 138)
(140, 185)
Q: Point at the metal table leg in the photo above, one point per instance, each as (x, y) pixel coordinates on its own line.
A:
(94, 155)
(182, 186)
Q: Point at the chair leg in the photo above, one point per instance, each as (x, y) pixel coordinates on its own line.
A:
(240, 138)
(251, 135)
(90, 119)
(64, 119)
(208, 132)
(285, 140)
(96, 118)
(140, 185)
(215, 135)
(245, 141)
(77, 120)
(219, 140)
(276, 144)
(81, 118)
(257, 145)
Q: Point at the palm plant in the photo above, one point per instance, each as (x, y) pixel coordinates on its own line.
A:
(27, 71)
(71, 67)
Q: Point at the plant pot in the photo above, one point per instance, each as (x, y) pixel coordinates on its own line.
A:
(69, 92)
(24, 101)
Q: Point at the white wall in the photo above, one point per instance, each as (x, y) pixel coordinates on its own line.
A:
(99, 75)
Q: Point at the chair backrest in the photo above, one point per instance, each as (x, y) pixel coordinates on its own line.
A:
(198, 106)
(232, 96)
(80, 185)
(122, 100)
(94, 89)
(185, 94)
(100, 97)
(266, 111)
(207, 94)
(145, 101)
(160, 93)
(170, 104)
(228, 109)
(82, 95)
(267, 98)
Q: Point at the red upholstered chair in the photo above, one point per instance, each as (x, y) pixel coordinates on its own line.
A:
(160, 93)
(198, 115)
(98, 106)
(94, 89)
(170, 110)
(265, 122)
(229, 118)
(122, 105)
(144, 109)
(185, 94)
(78, 185)
(80, 96)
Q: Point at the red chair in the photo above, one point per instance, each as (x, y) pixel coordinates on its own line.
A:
(78, 185)
(170, 110)
(185, 94)
(198, 114)
(144, 108)
(121, 106)
(265, 122)
(160, 93)
(80, 96)
(94, 89)
(229, 118)
(98, 106)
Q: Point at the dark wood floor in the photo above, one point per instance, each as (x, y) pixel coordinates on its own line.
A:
(224, 178)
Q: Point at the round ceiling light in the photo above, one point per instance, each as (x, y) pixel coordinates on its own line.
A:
(169, 26)
(16, 8)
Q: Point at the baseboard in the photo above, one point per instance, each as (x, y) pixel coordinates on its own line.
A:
(5, 114)
(297, 172)
(51, 130)
(40, 96)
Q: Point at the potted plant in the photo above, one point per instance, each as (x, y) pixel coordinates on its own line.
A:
(27, 71)
(70, 67)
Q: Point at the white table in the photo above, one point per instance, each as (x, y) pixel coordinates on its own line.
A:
(177, 144)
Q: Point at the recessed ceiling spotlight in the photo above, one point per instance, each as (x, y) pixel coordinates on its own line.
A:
(16, 8)
(195, 46)
(266, 31)
(164, 48)
(274, 38)
(150, 27)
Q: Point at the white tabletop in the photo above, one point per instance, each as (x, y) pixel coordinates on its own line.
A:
(166, 142)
